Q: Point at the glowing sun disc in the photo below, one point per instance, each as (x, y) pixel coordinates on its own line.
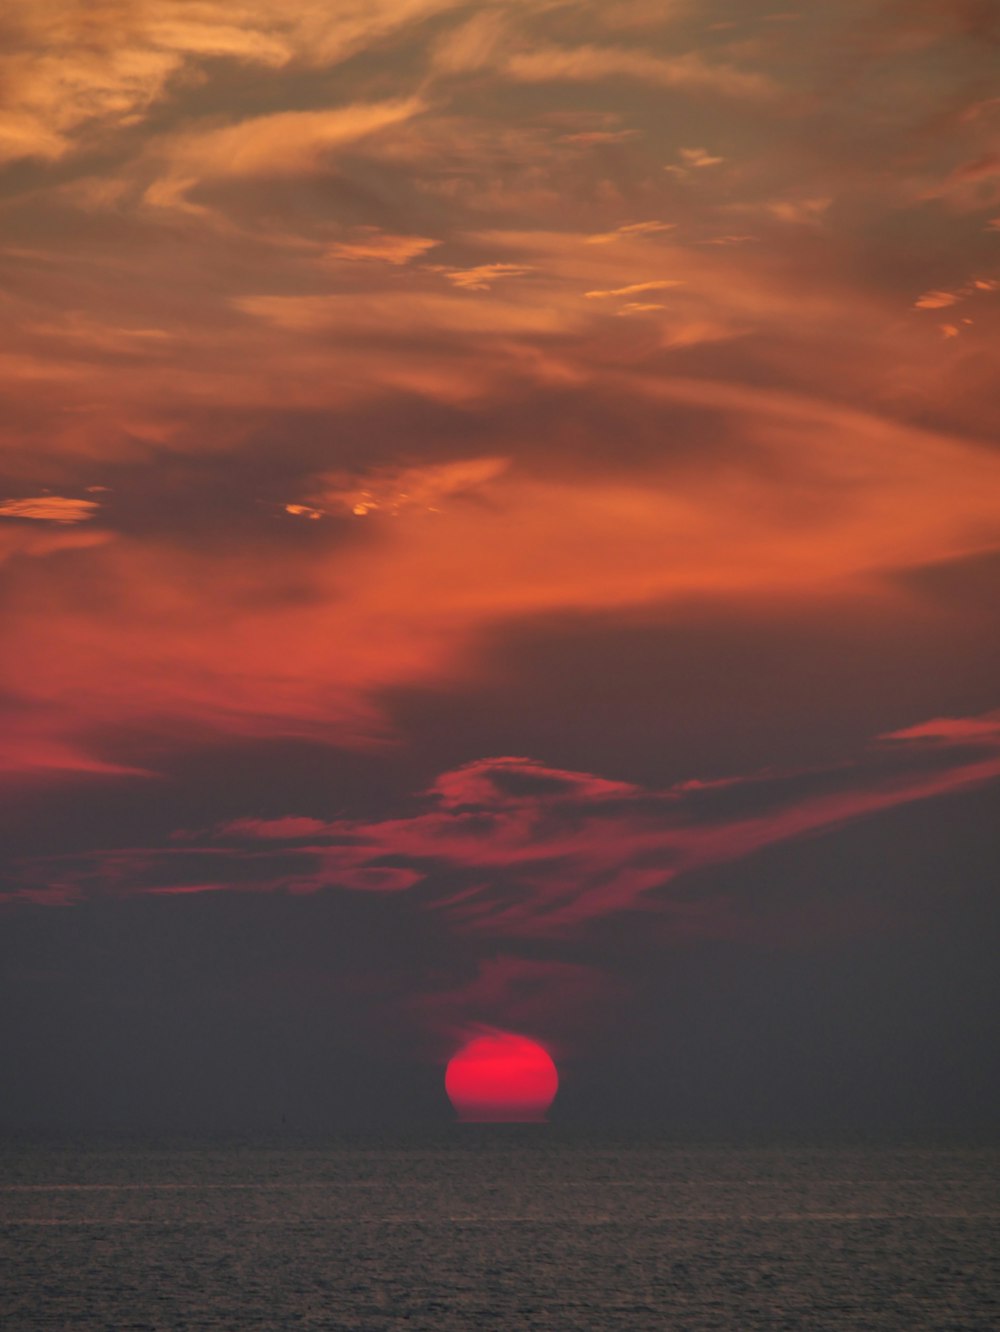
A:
(501, 1078)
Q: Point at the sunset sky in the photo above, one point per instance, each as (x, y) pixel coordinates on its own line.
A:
(499, 531)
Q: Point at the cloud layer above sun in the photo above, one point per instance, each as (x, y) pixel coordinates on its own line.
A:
(509, 848)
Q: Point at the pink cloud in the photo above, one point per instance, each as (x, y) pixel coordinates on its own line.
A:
(288, 829)
(984, 730)
(510, 848)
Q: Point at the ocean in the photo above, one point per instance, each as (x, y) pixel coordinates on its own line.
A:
(499, 1228)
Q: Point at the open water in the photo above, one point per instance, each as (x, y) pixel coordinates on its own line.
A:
(499, 1228)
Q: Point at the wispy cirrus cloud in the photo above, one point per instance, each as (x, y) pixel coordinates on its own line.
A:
(586, 64)
(631, 230)
(287, 143)
(75, 75)
(369, 243)
(635, 289)
(510, 848)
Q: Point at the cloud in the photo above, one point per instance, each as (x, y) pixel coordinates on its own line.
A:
(474, 45)
(50, 509)
(482, 277)
(510, 848)
(634, 288)
(814, 497)
(287, 143)
(946, 731)
(632, 230)
(35, 749)
(700, 158)
(41, 539)
(586, 64)
(418, 316)
(290, 829)
(490, 42)
(598, 138)
(800, 211)
(273, 348)
(981, 169)
(935, 300)
(370, 243)
(73, 71)
(542, 851)
(393, 490)
(941, 300)
(65, 70)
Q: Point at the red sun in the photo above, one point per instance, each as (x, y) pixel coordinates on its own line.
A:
(501, 1078)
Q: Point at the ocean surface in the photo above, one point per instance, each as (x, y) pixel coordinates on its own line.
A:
(503, 1227)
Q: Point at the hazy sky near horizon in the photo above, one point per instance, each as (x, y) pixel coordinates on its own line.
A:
(499, 527)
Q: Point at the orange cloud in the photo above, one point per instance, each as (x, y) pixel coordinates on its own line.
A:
(822, 496)
(71, 72)
(380, 245)
(585, 64)
(630, 230)
(474, 45)
(287, 143)
(635, 288)
(935, 300)
(700, 158)
(392, 490)
(483, 276)
(50, 508)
